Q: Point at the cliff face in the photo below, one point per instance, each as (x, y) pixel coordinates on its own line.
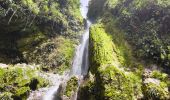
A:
(129, 50)
(37, 31)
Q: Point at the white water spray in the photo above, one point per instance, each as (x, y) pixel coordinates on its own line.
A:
(81, 61)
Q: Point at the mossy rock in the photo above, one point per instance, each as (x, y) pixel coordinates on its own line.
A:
(119, 85)
(154, 91)
(86, 92)
(159, 75)
(19, 80)
(55, 56)
(112, 83)
(22, 92)
(71, 87)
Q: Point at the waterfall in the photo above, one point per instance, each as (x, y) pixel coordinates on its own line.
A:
(80, 62)
(79, 66)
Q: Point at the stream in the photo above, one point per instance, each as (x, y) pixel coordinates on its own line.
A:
(79, 65)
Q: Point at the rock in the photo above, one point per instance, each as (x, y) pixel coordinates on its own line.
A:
(152, 89)
(3, 65)
(71, 88)
(20, 80)
(152, 80)
(155, 85)
(6, 96)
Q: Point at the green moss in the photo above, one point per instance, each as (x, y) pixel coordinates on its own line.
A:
(33, 6)
(42, 82)
(6, 96)
(112, 3)
(71, 87)
(65, 53)
(118, 85)
(22, 92)
(122, 47)
(101, 47)
(163, 3)
(86, 91)
(139, 5)
(74, 9)
(153, 91)
(159, 75)
(168, 56)
(124, 22)
(163, 77)
(120, 50)
(54, 10)
(19, 80)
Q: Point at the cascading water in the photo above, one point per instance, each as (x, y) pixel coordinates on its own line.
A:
(79, 66)
(80, 62)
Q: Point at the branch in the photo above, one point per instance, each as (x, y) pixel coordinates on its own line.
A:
(26, 24)
(32, 21)
(7, 11)
(12, 17)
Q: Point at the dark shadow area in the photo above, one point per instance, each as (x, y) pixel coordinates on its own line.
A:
(33, 84)
(9, 52)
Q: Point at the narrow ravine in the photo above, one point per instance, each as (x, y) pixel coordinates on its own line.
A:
(79, 66)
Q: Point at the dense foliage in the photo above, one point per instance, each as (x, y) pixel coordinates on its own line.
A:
(146, 24)
(37, 31)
